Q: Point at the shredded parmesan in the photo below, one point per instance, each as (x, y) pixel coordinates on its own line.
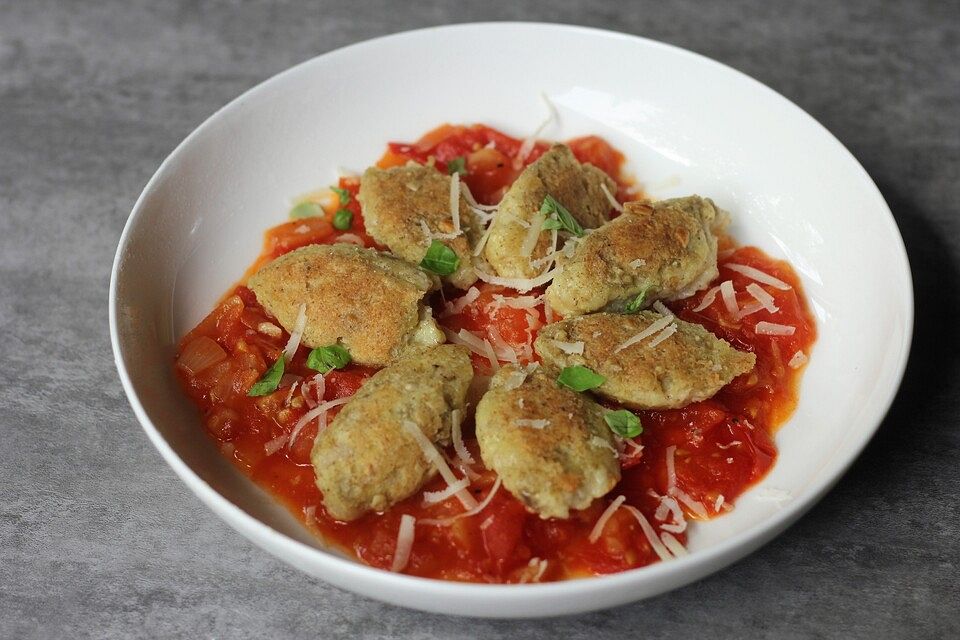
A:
(650, 534)
(718, 503)
(661, 308)
(272, 446)
(476, 344)
(320, 411)
(527, 145)
(483, 241)
(798, 360)
(673, 545)
(758, 275)
(729, 298)
(486, 523)
(455, 201)
(533, 235)
(433, 456)
(654, 328)
(465, 189)
(429, 235)
(708, 298)
(600, 443)
(604, 517)
(762, 297)
(764, 328)
(613, 201)
(547, 310)
(676, 491)
(444, 522)
(454, 307)
(293, 388)
(456, 430)
(520, 284)
(298, 326)
(532, 423)
(639, 262)
(502, 350)
(663, 335)
(269, 329)
(433, 497)
(572, 348)
(405, 537)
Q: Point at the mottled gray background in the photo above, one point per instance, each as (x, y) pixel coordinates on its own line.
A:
(99, 539)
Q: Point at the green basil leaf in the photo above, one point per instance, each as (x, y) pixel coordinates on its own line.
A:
(306, 210)
(457, 165)
(342, 220)
(324, 359)
(637, 303)
(440, 259)
(270, 380)
(344, 195)
(552, 223)
(563, 217)
(623, 423)
(579, 378)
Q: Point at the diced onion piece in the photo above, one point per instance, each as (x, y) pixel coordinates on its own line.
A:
(349, 238)
(455, 201)
(520, 284)
(433, 497)
(444, 522)
(320, 411)
(456, 430)
(650, 533)
(605, 517)
(729, 298)
(298, 326)
(532, 423)
(764, 328)
(708, 298)
(199, 354)
(613, 201)
(673, 545)
(572, 348)
(272, 446)
(798, 360)
(761, 296)
(663, 335)
(454, 307)
(405, 537)
(654, 328)
(758, 275)
(433, 456)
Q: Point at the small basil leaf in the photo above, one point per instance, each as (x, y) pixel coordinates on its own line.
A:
(568, 223)
(324, 359)
(637, 303)
(580, 378)
(623, 423)
(342, 220)
(306, 210)
(344, 195)
(440, 259)
(270, 380)
(457, 165)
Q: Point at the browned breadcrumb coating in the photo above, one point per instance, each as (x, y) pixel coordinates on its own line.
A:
(564, 465)
(365, 460)
(668, 248)
(558, 174)
(399, 201)
(370, 302)
(689, 366)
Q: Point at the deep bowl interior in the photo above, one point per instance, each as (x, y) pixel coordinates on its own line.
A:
(686, 124)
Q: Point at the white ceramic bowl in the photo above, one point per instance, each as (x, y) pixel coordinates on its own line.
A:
(686, 124)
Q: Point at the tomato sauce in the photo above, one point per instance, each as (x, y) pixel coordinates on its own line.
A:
(718, 448)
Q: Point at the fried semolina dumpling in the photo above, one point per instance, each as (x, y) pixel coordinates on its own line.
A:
(370, 302)
(557, 173)
(366, 460)
(690, 365)
(549, 445)
(405, 208)
(668, 249)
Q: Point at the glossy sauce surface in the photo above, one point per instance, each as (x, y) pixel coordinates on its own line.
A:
(722, 446)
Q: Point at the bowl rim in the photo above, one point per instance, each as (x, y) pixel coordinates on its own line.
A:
(696, 565)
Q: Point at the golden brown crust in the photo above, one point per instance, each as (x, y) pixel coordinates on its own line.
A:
(556, 173)
(366, 300)
(564, 465)
(365, 460)
(689, 366)
(397, 202)
(667, 248)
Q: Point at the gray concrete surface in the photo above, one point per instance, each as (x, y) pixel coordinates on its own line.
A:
(98, 539)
